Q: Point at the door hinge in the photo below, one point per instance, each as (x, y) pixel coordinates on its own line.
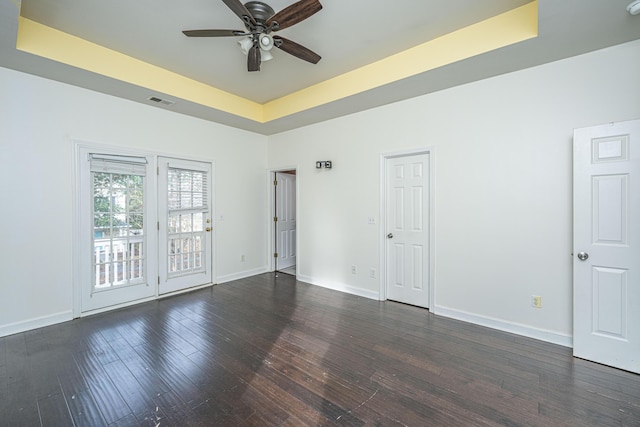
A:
(275, 254)
(275, 182)
(158, 170)
(275, 219)
(158, 225)
(158, 280)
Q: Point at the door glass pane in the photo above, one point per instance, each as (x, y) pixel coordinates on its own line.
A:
(185, 222)
(198, 221)
(187, 204)
(118, 221)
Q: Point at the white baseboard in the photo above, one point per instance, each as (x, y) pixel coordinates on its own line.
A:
(502, 325)
(241, 275)
(118, 306)
(337, 286)
(185, 291)
(38, 322)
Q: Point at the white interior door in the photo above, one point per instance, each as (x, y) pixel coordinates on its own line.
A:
(607, 245)
(407, 227)
(285, 220)
(184, 224)
(116, 218)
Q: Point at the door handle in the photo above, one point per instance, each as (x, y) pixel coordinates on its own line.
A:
(208, 229)
(390, 236)
(583, 256)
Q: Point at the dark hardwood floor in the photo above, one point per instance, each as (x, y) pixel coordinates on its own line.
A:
(269, 351)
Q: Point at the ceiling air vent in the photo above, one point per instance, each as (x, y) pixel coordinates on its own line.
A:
(161, 101)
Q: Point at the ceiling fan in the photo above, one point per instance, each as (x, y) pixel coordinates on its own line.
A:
(260, 21)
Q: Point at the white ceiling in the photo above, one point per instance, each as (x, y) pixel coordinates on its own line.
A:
(347, 34)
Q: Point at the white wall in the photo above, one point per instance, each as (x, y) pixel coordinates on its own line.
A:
(502, 151)
(503, 187)
(39, 119)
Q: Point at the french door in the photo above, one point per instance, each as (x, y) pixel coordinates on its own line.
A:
(117, 213)
(185, 226)
(137, 236)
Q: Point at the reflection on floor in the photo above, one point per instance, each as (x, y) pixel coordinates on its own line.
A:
(289, 270)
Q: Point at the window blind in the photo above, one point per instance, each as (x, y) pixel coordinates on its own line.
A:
(187, 190)
(129, 165)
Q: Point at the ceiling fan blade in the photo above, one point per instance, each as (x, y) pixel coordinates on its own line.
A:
(296, 50)
(253, 58)
(239, 9)
(213, 33)
(295, 13)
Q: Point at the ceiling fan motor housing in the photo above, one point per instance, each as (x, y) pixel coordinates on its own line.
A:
(260, 11)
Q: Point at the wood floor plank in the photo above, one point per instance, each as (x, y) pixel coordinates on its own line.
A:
(17, 364)
(84, 409)
(54, 411)
(175, 380)
(175, 411)
(22, 407)
(71, 379)
(129, 420)
(100, 347)
(43, 371)
(137, 399)
(147, 379)
(105, 393)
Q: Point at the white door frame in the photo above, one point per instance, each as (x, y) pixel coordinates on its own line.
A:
(271, 236)
(382, 238)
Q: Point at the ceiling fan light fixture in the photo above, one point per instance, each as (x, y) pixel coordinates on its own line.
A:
(266, 41)
(245, 44)
(265, 55)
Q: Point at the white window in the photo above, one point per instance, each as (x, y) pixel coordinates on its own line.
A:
(187, 208)
(118, 221)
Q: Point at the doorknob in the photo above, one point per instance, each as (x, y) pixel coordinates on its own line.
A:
(390, 236)
(583, 256)
(208, 229)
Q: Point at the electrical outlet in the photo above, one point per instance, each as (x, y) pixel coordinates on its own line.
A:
(372, 273)
(536, 301)
(354, 270)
